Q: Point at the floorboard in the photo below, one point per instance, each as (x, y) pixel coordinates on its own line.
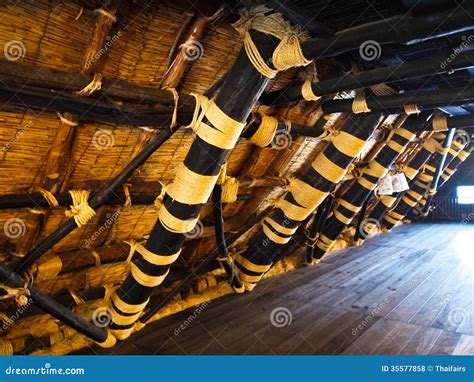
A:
(406, 292)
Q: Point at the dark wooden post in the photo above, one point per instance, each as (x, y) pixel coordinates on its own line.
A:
(304, 195)
(241, 89)
(351, 202)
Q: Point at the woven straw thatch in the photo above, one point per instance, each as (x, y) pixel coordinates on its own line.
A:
(55, 35)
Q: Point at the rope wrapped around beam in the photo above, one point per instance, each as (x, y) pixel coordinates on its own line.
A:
(218, 124)
(457, 154)
(411, 170)
(421, 185)
(288, 52)
(349, 205)
(304, 194)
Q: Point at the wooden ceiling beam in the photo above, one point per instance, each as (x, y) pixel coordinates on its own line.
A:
(20, 75)
(385, 75)
(95, 52)
(403, 29)
(396, 102)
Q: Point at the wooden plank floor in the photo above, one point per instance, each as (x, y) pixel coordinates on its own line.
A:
(406, 292)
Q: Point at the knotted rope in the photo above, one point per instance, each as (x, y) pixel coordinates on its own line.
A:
(174, 118)
(230, 186)
(288, 52)
(80, 209)
(128, 198)
(66, 121)
(48, 195)
(93, 86)
(20, 294)
(106, 13)
(159, 199)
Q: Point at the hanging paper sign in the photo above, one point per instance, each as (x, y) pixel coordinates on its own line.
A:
(399, 182)
(385, 185)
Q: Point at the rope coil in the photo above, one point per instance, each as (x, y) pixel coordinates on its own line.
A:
(230, 190)
(153, 258)
(287, 54)
(359, 105)
(265, 132)
(440, 122)
(80, 209)
(224, 132)
(411, 109)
